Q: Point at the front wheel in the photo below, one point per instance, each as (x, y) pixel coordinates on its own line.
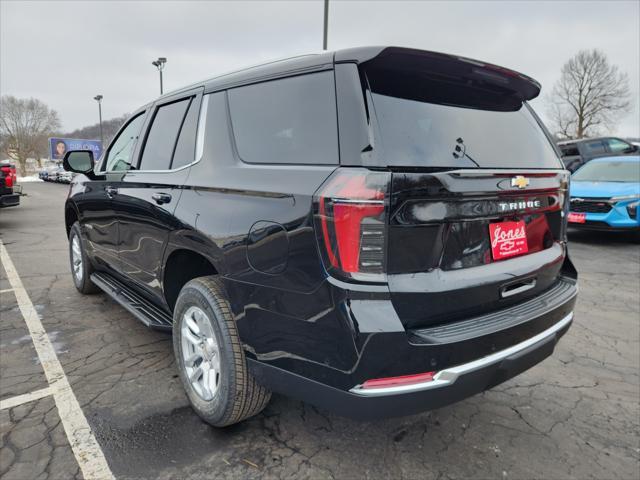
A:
(210, 358)
(81, 268)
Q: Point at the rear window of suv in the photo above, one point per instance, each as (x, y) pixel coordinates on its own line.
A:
(434, 122)
(291, 120)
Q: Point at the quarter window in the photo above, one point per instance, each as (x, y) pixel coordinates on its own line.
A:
(292, 120)
(119, 156)
(163, 134)
(185, 148)
(618, 146)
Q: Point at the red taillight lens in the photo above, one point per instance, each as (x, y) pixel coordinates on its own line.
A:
(348, 221)
(8, 177)
(351, 222)
(398, 381)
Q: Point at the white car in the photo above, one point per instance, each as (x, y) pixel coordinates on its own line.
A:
(54, 174)
(65, 177)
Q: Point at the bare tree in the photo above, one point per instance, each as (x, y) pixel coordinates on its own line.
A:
(589, 96)
(109, 129)
(25, 125)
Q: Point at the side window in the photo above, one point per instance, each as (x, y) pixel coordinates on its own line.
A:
(163, 134)
(595, 147)
(185, 148)
(618, 146)
(569, 150)
(118, 158)
(292, 120)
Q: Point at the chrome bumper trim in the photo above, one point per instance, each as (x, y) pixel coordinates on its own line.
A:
(448, 376)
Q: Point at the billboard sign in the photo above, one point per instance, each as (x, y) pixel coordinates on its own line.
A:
(59, 146)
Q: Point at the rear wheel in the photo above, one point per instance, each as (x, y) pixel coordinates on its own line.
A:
(210, 357)
(81, 268)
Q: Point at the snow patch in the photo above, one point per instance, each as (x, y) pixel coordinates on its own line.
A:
(32, 178)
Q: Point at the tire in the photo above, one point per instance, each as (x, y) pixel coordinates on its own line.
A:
(80, 275)
(228, 393)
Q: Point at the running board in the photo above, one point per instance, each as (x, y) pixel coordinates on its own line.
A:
(140, 307)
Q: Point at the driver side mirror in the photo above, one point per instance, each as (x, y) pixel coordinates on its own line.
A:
(78, 161)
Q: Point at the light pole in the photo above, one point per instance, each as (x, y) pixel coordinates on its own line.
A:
(326, 24)
(98, 98)
(159, 64)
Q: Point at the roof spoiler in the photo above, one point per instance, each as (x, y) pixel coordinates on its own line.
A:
(517, 84)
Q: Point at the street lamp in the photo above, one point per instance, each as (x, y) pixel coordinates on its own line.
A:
(159, 64)
(98, 98)
(326, 25)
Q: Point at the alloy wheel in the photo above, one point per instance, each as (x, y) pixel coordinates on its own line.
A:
(76, 258)
(200, 353)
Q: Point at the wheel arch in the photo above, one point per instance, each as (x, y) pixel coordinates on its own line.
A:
(70, 216)
(180, 266)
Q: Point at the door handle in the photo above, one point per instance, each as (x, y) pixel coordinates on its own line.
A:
(161, 198)
(111, 191)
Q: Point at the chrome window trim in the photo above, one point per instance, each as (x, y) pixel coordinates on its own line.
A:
(202, 120)
(448, 376)
(105, 153)
(202, 124)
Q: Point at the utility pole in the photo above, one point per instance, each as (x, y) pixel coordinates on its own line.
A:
(98, 98)
(326, 24)
(159, 64)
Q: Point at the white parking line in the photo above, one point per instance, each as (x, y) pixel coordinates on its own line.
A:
(26, 398)
(84, 445)
(6, 290)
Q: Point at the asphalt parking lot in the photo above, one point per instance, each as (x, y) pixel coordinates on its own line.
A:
(576, 415)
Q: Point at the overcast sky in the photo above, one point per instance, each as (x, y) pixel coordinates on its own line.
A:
(65, 53)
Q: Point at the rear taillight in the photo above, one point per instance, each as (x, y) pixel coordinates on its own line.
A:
(8, 177)
(351, 222)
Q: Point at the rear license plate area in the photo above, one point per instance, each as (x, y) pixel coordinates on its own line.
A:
(508, 239)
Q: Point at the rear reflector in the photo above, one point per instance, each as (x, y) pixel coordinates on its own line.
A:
(398, 381)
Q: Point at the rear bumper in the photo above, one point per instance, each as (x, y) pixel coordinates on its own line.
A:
(10, 200)
(448, 386)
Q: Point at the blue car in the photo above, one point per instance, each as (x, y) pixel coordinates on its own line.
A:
(605, 194)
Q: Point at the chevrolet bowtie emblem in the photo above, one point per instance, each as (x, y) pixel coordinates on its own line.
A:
(520, 182)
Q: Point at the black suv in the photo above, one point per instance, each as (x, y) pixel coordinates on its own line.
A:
(377, 231)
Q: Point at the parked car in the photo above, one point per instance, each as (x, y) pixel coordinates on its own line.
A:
(576, 153)
(9, 193)
(43, 174)
(605, 194)
(55, 173)
(349, 228)
(65, 177)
